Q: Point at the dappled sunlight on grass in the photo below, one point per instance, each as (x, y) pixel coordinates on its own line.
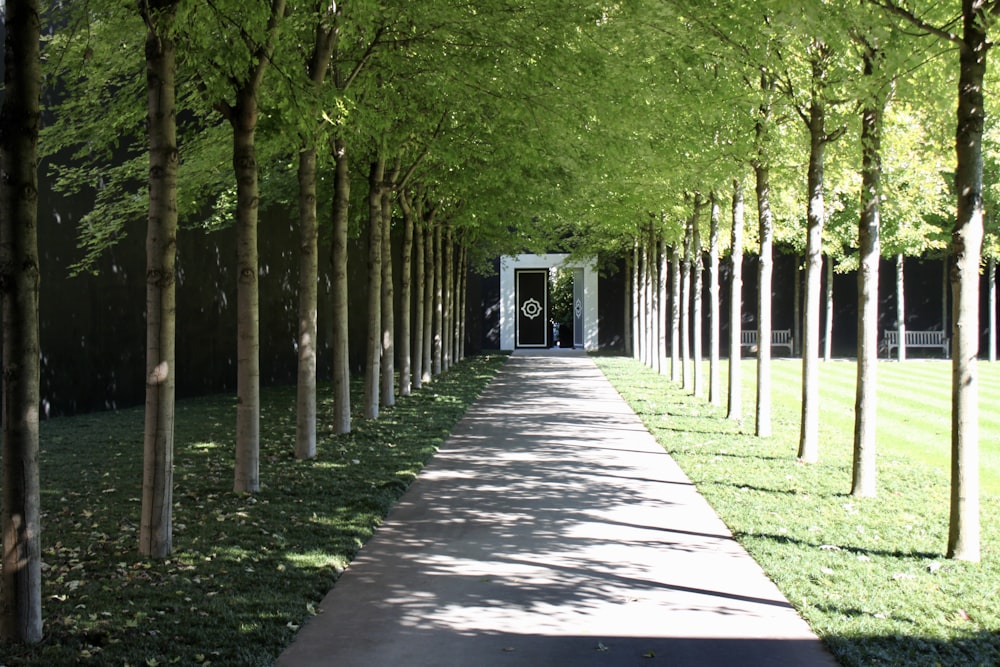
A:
(246, 569)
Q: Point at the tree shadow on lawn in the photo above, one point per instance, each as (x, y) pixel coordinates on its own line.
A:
(974, 650)
(860, 551)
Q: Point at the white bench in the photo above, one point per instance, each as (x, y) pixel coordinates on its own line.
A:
(932, 339)
(779, 338)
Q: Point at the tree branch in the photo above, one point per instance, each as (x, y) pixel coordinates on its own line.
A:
(894, 8)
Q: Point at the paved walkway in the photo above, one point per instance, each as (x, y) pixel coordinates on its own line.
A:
(551, 529)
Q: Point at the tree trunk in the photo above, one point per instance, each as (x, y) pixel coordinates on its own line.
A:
(864, 473)
(373, 349)
(405, 299)
(155, 525)
(636, 305)
(21, 584)
(388, 338)
(676, 287)
(656, 330)
(338, 256)
(828, 336)
(736, 307)
(438, 303)
(643, 300)
(714, 373)
(966, 245)
(305, 387)
(697, 314)
(305, 420)
(430, 310)
(448, 292)
(461, 302)
(247, 470)
(815, 215)
(243, 119)
(420, 278)
(900, 309)
(687, 381)
(661, 311)
(766, 225)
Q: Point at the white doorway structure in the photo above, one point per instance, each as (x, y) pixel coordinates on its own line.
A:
(584, 299)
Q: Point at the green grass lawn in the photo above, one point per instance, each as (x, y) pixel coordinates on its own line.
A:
(869, 575)
(247, 570)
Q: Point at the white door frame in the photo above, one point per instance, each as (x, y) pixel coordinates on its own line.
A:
(508, 293)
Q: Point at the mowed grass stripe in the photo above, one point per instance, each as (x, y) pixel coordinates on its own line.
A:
(914, 413)
(869, 575)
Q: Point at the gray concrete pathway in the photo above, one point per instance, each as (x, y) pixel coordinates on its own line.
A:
(551, 529)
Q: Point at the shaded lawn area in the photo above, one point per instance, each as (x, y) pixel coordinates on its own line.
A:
(869, 575)
(247, 570)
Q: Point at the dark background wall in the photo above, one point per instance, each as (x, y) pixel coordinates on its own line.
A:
(93, 328)
(93, 333)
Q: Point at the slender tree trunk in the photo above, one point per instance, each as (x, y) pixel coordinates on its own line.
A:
(687, 379)
(429, 302)
(900, 309)
(339, 287)
(373, 349)
(388, 306)
(643, 264)
(420, 302)
(766, 225)
(461, 302)
(828, 336)
(627, 307)
(438, 302)
(406, 300)
(991, 277)
(305, 387)
(305, 419)
(864, 474)
(636, 303)
(966, 244)
(676, 289)
(656, 330)
(662, 267)
(21, 583)
(156, 525)
(714, 373)
(247, 470)
(243, 119)
(698, 280)
(448, 292)
(736, 306)
(815, 216)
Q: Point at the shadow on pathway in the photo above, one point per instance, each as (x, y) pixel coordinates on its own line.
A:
(551, 529)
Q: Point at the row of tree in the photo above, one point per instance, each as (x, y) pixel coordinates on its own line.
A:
(876, 71)
(427, 107)
(471, 130)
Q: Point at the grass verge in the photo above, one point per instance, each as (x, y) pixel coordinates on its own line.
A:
(869, 575)
(247, 569)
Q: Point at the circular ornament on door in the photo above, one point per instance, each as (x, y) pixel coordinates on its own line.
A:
(531, 309)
